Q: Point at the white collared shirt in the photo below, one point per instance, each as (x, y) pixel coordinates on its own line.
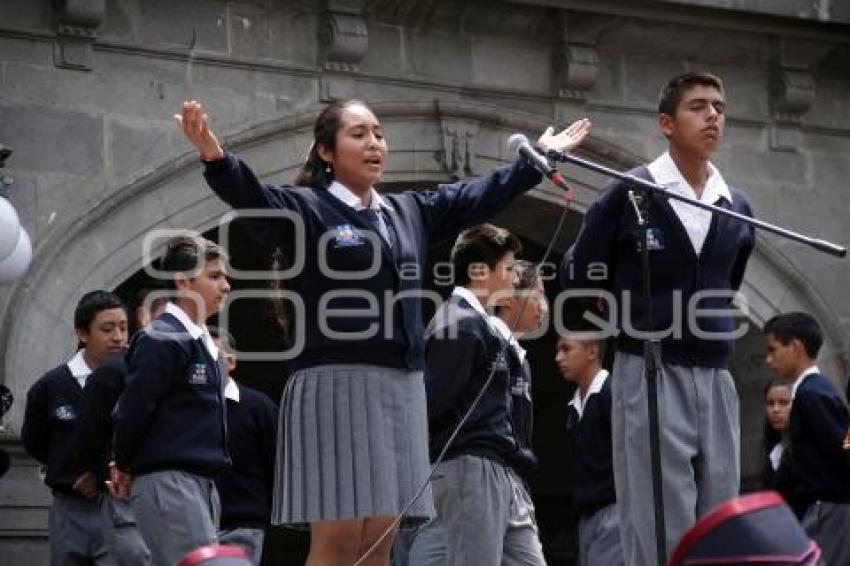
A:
(800, 378)
(80, 370)
(472, 299)
(505, 332)
(595, 387)
(696, 221)
(231, 390)
(376, 202)
(195, 331)
(776, 455)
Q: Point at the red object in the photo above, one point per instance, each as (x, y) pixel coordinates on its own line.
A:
(210, 551)
(736, 512)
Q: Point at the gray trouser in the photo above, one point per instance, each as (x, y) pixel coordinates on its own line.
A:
(123, 539)
(599, 538)
(249, 539)
(828, 524)
(425, 546)
(700, 450)
(176, 512)
(76, 532)
(486, 514)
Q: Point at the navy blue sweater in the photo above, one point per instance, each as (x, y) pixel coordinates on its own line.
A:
(606, 255)
(171, 415)
(590, 448)
(460, 351)
(245, 487)
(383, 323)
(92, 446)
(819, 422)
(50, 423)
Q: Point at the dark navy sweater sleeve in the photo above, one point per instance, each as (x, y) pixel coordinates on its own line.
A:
(588, 263)
(92, 444)
(456, 206)
(150, 367)
(35, 432)
(827, 418)
(740, 265)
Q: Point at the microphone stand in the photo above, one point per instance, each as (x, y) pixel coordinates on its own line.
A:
(652, 348)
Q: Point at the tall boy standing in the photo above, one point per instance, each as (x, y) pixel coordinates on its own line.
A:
(697, 263)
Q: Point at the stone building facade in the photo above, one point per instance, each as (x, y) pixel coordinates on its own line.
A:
(88, 88)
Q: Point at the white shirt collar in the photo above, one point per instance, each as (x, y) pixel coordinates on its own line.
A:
(505, 332)
(79, 368)
(665, 172)
(195, 331)
(595, 387)
(231, 390)
(799, 380)
(470, 298)
(344, 194)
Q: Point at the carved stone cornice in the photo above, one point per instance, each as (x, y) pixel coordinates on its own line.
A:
(343, 36)
(792, 87)
(576, 58)
(458, 154)
(76, 32)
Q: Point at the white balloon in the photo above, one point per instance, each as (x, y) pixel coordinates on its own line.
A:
(10, 228)
(16, 263)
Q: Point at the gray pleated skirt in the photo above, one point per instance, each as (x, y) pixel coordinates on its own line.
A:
(352, 443)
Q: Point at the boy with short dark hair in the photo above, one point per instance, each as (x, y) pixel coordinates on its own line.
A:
(817, 428)
(697, 264)
(483, 467)
(170, 421)
(579, 359)
(50, 425)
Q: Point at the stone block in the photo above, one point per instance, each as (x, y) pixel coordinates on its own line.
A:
(139, 146)
(48, 140)
(27, 51)
(50, 87)
(169, 23)
(386, 53)
(26, 14)
(444, 56)
(277, 31)
(511, 65)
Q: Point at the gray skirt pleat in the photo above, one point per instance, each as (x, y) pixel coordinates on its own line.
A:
(352, 443)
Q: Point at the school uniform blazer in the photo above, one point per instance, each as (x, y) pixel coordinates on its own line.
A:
(818, 423)
(383, 324)
(171, 415)
(50, 423)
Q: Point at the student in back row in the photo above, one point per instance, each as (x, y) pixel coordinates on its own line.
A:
(50, 425)
(816, 433)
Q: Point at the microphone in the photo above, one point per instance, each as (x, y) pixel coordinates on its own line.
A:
(518, 144)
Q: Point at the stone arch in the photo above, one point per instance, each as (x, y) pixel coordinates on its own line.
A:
(431, 142)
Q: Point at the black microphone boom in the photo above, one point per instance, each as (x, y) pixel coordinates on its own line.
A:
(638, 183)
(519, 145)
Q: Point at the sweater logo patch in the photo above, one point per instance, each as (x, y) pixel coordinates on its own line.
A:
(654, 236)
(199, 375)
(65, 413)
(521, 387)
(346, 235)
